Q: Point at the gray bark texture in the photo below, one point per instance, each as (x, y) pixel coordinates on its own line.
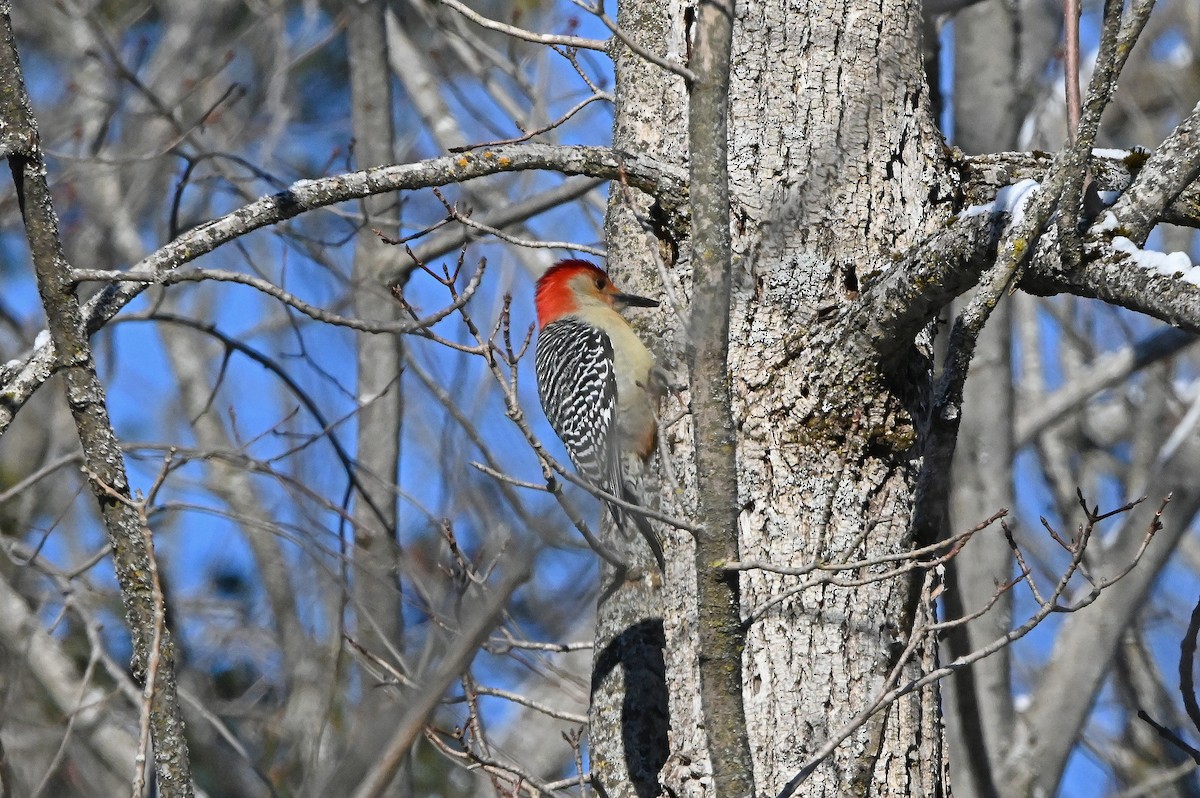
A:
(637, 633)
(778, 181)
(825, 454)
(826, 182)
(376, 554)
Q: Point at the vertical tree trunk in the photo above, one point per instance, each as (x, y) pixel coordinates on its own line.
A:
(826, 182)
(376, 596)
(629, 711)
(375, 583)
(154, 655)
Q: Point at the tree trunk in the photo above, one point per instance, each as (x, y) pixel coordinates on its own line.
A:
(826, 181)
(628, 729)
(375, 585)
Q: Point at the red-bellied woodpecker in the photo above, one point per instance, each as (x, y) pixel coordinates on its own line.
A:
(596, 379)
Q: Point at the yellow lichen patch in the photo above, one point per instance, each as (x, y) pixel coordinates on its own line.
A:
(504, 161)
(488, 155)
(463, 161)
(1135, 159)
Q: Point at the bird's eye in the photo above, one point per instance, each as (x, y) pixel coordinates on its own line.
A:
(601, 282)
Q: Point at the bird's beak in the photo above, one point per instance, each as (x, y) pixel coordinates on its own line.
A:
(632, 300)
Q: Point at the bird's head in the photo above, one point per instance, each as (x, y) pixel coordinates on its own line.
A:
(571, 286)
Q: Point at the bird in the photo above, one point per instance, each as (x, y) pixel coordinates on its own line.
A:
(597, 380)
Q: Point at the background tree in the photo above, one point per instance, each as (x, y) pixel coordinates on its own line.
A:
(260, 371)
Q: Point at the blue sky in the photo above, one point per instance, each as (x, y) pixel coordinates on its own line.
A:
(205, 551)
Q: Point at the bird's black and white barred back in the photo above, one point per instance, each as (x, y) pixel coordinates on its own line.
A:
(578, 387)
(595, 375)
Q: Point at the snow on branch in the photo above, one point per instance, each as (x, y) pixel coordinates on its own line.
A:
(1111, 170)
(1122, 274)
(1171, 264)
(1010, 201)
(1174, 166)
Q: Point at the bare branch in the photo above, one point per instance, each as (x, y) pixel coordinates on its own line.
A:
(517, 698)
(1100, 375)
(529, 134)
(291, 300)
(889, 693)
(647, 174)
(1173, 166)
(1071, 10)
(375, 782)
(667, 64)
(525, 35)
(127, 532)
(1187, 664)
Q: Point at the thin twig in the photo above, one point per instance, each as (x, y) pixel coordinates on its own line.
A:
(286, 297)
(890, 694)
(1169, 735)
(1187, 661)
(577, 42)
(517, 698)
(455, 660)
(528, 134)
(637, 49)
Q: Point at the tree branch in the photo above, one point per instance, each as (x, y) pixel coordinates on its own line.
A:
(102, 731)
(720, 632)
(890, 312)
(1173, 167)
(1117, 277)
(577, 42)
(1112, 170)
(451, 665)
(648, 174)
(128, 534)
(1104, 373)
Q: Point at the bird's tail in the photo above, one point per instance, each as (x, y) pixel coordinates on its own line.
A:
(620, 514)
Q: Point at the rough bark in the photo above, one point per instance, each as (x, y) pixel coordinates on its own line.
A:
(720, 632)
(826, 455)
(638, 626)
(841, 233)
(825, 460)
